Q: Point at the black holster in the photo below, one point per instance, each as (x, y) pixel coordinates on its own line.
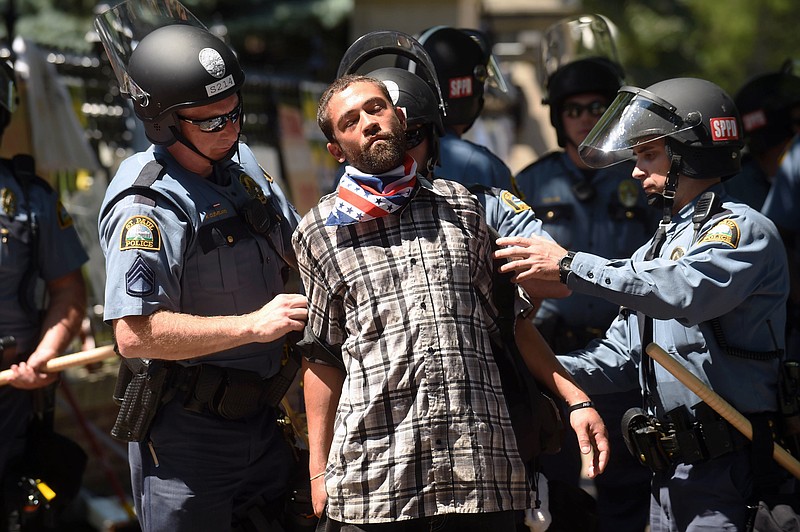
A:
(144, 382)
(643, 438)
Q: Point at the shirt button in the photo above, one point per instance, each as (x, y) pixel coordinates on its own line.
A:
(422, 305)
(413, 261)
(438, 441)
(608, 281)
(430, 350)
(590, 275)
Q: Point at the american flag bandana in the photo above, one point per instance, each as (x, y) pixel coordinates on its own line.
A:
(363, 197)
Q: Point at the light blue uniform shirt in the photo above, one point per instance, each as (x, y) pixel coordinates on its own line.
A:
(191, 252)
(734, 270)
(59, 250)
(612, 223)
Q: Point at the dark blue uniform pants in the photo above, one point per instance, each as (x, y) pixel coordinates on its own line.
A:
(206, 468)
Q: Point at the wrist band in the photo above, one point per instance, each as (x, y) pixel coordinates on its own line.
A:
(317, 475)
(578, 406)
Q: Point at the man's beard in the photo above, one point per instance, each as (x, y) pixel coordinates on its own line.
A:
(382, 156)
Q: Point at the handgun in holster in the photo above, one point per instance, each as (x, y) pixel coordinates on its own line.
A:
(139, 390)
(279, 383)
(643, 436)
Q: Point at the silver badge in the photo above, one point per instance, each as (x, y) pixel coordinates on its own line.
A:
(212, 62)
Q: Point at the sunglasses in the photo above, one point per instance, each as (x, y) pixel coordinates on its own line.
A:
(575, 110)
(215, 123)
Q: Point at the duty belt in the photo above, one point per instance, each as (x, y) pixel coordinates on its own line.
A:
(231, 393)
(679, 438)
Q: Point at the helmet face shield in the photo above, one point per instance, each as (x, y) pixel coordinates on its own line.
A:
(636, 116)
(573, 39)
(121, 28)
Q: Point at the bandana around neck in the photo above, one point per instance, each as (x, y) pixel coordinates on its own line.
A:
(362, 197)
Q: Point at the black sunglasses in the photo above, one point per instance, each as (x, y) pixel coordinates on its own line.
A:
(215, 123)
(575, 110)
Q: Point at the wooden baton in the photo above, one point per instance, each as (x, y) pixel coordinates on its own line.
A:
(720, 405)
(61, 363)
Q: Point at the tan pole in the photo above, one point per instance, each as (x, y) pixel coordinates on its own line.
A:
(720, 405)
(61, 363)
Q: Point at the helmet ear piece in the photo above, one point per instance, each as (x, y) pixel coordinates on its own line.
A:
(161, 130)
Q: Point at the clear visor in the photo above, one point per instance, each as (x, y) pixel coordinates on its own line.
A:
(495, 75)
(123, 27)
(574, 39)
(391, 43)
(636, 116)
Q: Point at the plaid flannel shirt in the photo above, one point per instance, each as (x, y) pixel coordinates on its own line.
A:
(421, 427)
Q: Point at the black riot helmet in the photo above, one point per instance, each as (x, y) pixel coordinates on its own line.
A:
(765, 103)
(166, 60)
(413, 94)
(462, 68)
(180, 66)
(597, 75)
(699, 120)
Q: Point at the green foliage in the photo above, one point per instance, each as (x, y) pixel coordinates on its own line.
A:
(726, 42)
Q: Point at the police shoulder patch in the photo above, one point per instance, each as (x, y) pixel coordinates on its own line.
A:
(140, 232)
(63, 217)
(725, 232)
(513, 202)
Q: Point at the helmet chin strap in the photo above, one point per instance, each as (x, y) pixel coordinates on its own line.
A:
(666, 198)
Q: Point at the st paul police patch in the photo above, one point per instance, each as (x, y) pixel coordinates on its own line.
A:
(725, 232)
(140, 232)
(516, 204)
(140, 280)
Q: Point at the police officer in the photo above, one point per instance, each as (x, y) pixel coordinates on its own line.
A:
(463, 68)
(767, 103)
(710, 288)
(196, 240)
(38, 241)
(600, 211)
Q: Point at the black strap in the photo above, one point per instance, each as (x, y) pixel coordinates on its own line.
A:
(646, 324)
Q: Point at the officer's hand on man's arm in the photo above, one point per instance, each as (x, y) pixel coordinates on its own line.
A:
(171, 335)
(532, 258)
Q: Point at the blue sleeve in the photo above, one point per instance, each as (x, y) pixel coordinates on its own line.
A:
(60, 248)
(608, 364)
(709, 280)
(143, 246)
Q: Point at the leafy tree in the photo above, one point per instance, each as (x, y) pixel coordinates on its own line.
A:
(725, 42)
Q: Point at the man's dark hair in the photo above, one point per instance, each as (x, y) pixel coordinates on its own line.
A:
(339, 84)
